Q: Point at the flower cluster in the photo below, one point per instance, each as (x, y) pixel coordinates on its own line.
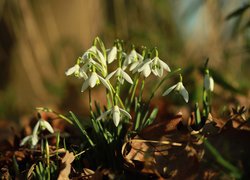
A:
(92, 67)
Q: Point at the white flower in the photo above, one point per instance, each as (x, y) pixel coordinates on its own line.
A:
(144, 67)
(132, 58)
(208, 82)
(92, 49)
(72, 70)
(93, 80)
(32, 139)
(116, 112)
(88, 65)
(77, 71)
(121, 75)
(112, 54)
(158, 66)
(180, 89)
(42, 124)
(96, 53)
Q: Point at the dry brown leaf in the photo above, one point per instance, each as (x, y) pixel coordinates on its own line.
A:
(66, 166)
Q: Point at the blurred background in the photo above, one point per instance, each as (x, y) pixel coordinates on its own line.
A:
(40, 39)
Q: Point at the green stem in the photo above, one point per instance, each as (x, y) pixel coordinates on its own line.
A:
(133, 89)
(141, 91)
(90, 104)
(54, 112)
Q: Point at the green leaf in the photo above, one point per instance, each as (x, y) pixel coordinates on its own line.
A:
(238, 12)
(234, 171)
(79, 125)
(151, 117)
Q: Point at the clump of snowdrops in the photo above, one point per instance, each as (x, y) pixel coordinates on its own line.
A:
(119, 70)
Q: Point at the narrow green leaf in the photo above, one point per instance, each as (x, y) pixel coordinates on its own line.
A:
(238, 12)
(197, 115)
(151, 117)
(79, 125)
(235, 172)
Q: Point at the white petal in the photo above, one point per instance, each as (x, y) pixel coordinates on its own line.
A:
(139, 57)
(85, 85)
(101, 57)
(169, 90)
(160, 72)
(25, 140)
(47, 125)
(72, 70)
(126, 77)
(116, 115)
(93, 48)
(126, 113)
(164, 65)
(111, 74)
(134, 67)
(35, 130)
(208, 83)
(105, 83)
(211, 83)
(34, 140)
(146, 71)
(103, 115)
(145, 67)
(184, 93)
(155, 72)
(93, 80)
(112, 54)
(83, 75)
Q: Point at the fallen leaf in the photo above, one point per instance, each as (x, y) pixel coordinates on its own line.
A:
(66, 166)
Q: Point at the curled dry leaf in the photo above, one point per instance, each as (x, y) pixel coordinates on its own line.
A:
(66, 166)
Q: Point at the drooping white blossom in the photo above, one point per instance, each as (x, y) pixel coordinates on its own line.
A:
(121, 75)
(77, 71)
(178, 88)
(116, 113)
(94, 80)
(112, 55)
(42, 125)
(158, 66)
(31, 139)
(208, 82)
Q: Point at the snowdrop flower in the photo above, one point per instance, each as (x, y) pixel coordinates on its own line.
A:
(89, 63)
(136, 63)
(116, 113)
(93, 80)
(96, 53)
(158, 66)
(43, 125)
(31, 139)
(112, 54)
(77, 71)
(132, 58)
(121, 75)
(180, 89)
(208, 82)
(144, 67)
(72, 70)
(92, 49)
